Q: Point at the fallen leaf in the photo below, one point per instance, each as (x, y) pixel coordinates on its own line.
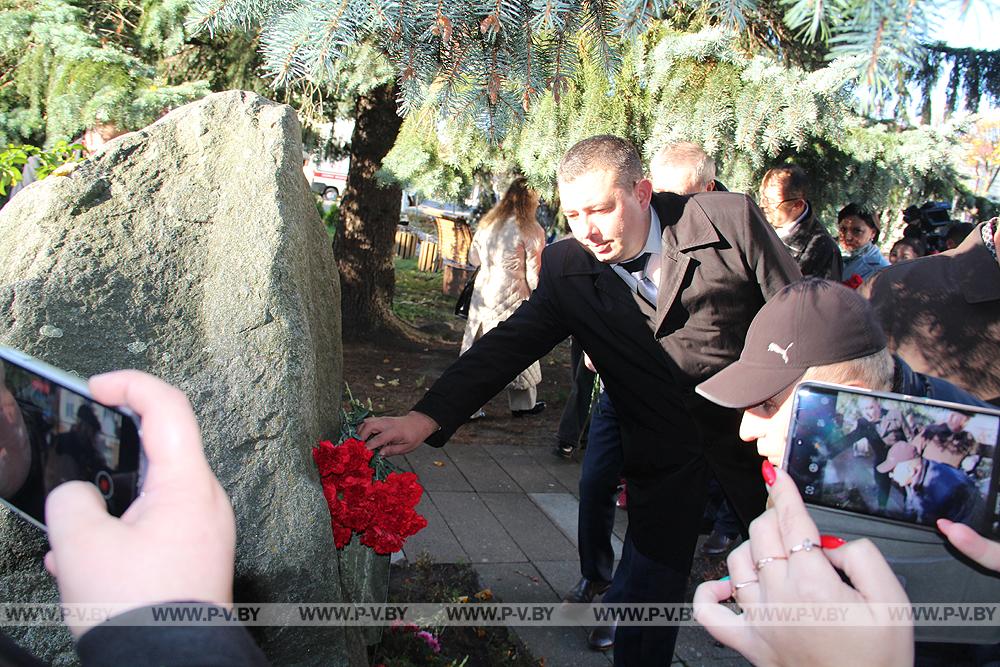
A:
(379, 384)
(527, 576)
(484, 595)
(480, 632)
(462, 599)
(420, 381)
(394, 382)
(396, 370)
(439, 464)
(386, 360)
(379, 377)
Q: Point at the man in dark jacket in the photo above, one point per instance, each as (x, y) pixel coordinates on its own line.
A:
(784, 198)
(660, 290)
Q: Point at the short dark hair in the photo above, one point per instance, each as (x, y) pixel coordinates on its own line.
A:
(604, 152)
(793, 179)
(862, 213)
(959, 231)
(913, 242)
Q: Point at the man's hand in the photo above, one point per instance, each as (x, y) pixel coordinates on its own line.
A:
(176, 542)
(397, 435)
(972, 544)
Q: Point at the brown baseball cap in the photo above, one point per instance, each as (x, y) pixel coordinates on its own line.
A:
(901, 451)
(813, 322)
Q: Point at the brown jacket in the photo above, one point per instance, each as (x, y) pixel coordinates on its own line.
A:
(942, 314)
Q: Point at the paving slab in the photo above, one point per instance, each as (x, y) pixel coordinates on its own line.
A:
(563, 510)
(517, 582)
(481, 535)
(436, 470)
(566, 472)
(531, 529)
(522, 467)
(481, 471)
(436, 540)
(561, 575)
(696, 647)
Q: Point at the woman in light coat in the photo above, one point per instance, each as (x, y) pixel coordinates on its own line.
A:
(507, 247)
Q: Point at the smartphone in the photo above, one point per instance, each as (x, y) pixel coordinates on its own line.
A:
(52, 431)
(898, 458)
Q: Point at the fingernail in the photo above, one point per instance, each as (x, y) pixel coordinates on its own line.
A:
(725, 578)
(831, 542)
(767, 470)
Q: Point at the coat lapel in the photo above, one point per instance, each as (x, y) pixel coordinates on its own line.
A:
(685, 226)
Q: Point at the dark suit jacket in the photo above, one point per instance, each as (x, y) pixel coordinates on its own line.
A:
(814, 249)
(720, 261)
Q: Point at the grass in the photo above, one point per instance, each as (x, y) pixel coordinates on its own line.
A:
(419, 299)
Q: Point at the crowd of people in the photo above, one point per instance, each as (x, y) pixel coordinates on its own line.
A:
(700, 312)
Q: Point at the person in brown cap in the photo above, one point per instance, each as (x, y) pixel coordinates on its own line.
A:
(813, 330)
(933, 490)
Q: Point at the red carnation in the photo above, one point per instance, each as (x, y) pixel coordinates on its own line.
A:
(854, 282)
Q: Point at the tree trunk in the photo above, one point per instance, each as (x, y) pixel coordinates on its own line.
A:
(369, 213)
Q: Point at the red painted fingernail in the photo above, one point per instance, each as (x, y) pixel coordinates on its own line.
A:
(831, 542)
(767, 470)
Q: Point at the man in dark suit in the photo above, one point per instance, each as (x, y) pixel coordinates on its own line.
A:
(661, 298)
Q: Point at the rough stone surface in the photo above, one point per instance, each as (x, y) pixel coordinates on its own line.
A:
(193, 250)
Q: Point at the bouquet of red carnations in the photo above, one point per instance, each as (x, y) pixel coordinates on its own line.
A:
(366, 497)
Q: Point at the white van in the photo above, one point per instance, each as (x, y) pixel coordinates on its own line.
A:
(327, 179)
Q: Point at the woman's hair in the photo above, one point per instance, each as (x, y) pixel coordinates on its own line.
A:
(518, 202)
(861, 213)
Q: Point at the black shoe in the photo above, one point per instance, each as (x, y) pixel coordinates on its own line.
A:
(585, 590)
(601, 638)
(539, 406)
(718, 544)
(564, 450)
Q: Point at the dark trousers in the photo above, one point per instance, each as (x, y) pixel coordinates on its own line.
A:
(601, 470)
(641, 580)
(574, 417)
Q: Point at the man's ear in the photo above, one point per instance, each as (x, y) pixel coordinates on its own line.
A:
(643, 190)
(711, 186)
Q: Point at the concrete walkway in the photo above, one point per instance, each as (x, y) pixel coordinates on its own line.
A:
(510, 511)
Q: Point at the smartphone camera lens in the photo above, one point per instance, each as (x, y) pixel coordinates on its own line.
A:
(104, 484)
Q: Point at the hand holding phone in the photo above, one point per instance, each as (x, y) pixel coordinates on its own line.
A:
(774, 568)
(176, 542)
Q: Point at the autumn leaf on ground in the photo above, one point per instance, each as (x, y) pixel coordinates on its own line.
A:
(394, 382)
(484, 595)
(439, 464)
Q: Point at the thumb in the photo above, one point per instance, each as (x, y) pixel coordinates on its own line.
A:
(75, 513)
(868, 571)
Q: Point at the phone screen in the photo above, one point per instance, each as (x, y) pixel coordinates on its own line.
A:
(50, 434)
(894, 457)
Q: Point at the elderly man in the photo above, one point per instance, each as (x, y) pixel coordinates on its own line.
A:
(784, 198)
(661, 297)
(683, 168)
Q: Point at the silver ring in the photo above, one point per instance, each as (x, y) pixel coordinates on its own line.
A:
(806, 545)
(764, 561)
(744, 584)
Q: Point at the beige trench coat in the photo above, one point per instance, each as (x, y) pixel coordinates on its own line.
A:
(509, 263)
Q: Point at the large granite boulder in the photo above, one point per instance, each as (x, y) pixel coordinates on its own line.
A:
(193, 250)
